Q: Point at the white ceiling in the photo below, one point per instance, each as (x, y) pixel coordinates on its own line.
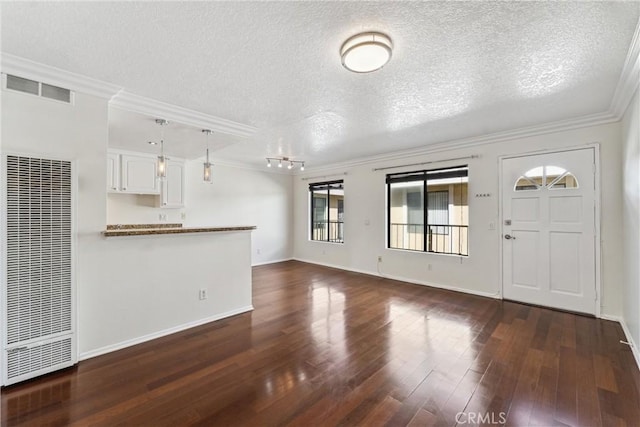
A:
(458, 70)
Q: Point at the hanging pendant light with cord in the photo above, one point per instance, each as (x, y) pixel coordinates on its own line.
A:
(161, 166)
(206, 176)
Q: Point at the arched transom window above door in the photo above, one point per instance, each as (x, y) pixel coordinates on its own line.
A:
(550, 177)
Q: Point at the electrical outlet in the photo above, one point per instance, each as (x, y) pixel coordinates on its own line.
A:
(202, 295)
(379, 258)
(428, 267)
(183, 215)
(162, 217)
(258, 251)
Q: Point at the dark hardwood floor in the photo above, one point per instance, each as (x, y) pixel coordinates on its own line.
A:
(328, 347)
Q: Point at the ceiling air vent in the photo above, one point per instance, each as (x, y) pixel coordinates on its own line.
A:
(37, 88)
(23, 85)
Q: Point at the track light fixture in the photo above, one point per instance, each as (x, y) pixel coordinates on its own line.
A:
(291, 162)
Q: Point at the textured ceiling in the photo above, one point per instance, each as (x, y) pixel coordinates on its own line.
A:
(458, 70)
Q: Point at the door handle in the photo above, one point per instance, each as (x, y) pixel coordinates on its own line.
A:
(509, 237)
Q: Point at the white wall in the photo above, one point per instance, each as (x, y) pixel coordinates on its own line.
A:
(149, 286)
(480, 272)
(125, 208)
(237, 196)
(128, 288)
(244, 196)
(32, 125)
(631, 219)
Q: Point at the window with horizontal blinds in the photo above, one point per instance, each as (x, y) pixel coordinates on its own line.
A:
(327, 211)
(38, 290)
(438, 210)
(427, 210)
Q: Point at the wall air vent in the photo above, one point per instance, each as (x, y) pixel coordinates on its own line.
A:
(38, 88)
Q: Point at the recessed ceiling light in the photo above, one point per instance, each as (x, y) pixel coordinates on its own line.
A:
(366, 52)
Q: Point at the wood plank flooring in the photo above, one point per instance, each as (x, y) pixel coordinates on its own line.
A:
(326, 347)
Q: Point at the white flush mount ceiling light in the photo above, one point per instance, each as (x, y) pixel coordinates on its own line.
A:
(366, 52)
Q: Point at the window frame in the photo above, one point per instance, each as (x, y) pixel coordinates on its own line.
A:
(424, 175)
(314, 188)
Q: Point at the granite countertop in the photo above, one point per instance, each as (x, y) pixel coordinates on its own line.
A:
(116, 230)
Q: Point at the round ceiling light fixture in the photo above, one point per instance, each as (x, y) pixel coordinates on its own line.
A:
(366, 52)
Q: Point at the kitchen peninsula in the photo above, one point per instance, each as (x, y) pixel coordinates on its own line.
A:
(162, 278)
(146, 229)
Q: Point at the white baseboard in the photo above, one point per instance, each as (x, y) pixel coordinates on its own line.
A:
(128, 343)
(271, 262)
(339, 267)
(407, 279)
(445, 287)
(627, 333)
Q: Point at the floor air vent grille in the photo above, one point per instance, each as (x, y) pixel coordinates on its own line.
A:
(38, 358)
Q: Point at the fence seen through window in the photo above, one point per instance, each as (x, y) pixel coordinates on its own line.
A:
(428, 210)
(327, 211)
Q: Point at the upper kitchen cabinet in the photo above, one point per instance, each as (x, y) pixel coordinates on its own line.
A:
(172, 187)
(138, 174)
(131, 173)
(135, 173)
(113, 172)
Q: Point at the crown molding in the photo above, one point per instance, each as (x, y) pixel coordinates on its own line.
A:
(15, 65)
(458, 144)
(629, 77)
(150, 107)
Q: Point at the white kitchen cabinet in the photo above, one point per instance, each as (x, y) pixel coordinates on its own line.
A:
(113, 172)
(138, 174)
(172, 187)
(135, 173)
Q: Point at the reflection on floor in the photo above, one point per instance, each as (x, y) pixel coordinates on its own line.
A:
(328, 347)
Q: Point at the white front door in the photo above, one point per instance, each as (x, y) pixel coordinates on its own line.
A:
(548, 229)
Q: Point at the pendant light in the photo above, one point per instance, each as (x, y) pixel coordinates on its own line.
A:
(206, 175)
(161, 167)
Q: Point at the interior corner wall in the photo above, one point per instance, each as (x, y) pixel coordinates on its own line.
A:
(480, 273)
(631, 219)
(240, 196)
